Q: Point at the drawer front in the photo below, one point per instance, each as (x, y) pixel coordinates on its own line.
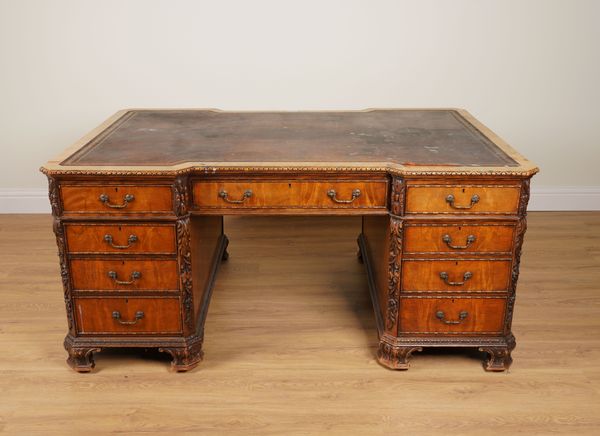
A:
(124, 274)
(455, 275)
(291, 194)
(116, 199)
(462, 199)
(458, 238)
(120, 315)
(121, 238)
(452, 315)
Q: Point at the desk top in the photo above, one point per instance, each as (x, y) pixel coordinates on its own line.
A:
(445, 141)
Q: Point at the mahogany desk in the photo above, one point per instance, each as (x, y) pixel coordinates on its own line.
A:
(138, 209)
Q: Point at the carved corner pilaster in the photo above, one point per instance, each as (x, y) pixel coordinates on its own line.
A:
(54, 196)
(64, 271)
(184, 255)
(394, 274)
(181, 196)
(395, 357)
(397, 197)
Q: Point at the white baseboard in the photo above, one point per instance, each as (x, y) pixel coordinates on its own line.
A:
(542, 199)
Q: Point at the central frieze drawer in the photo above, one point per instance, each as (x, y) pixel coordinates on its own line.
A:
(123, 315)
(462, 199)
(294, 194)
(125, 274)
(121, 238)
(116, 199)
(458, 238)
(455, 275)
(452, 315)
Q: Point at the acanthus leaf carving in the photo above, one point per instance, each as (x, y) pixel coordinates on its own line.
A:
(394, 272)
(180, 196)
(64, 269)
(185, 269)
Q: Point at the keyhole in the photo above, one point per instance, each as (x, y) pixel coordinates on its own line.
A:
(463, 190)
(289, 185)
(126, 300)
(119, 228)
(456, 263)
(459, 228)
(116, 189)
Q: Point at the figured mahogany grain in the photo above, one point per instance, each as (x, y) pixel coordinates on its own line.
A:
(290, 194)
(151, 238)
(502, 199)
(484, 315)
(429, 238)
(424, 275)
(83, 198)
(156, 274)
(95, 315)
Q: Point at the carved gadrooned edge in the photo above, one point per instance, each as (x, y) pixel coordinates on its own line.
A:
(180, 196)
(184, 254)
(397, 197)
(394, 272)
(64, 270)
(213, 169)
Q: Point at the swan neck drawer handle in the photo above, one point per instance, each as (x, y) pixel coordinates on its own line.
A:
(225, 196)
(450, 200)
(127, 198)
(333, 195)
(130, 240)
(134, 276)
(466, 276)
(442, 317)
(117, 317)
(448, 240)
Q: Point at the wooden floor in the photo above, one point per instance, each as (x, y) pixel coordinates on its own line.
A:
(290, 343)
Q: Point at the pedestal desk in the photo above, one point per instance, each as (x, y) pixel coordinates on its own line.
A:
(138, 209)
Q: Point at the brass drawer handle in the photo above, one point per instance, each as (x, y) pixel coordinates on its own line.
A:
(442, 317)
(109, 240)
(117, 316)
(134, 276)
(225, 196)
(466, 276)
(448, 240)
(450, 201)
(128, 198)
(332, 194)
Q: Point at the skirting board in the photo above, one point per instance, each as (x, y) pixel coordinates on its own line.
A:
(556, 198)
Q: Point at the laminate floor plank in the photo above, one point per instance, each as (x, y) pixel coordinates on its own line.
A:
(290, 345)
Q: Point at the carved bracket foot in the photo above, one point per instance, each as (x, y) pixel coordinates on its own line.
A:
(395, 357)
(498, 359)
(184, 359)
(81, 359)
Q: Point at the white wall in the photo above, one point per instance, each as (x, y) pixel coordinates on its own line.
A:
(530, 70)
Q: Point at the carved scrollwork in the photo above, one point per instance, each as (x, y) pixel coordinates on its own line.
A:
(180, 196)
(54, 195)
(185, 270)
(397, 198)
(394, 272)
(64, 269)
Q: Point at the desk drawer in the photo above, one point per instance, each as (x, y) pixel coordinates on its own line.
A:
(125, 274)
(462, 199)
(452, 315)
(248, 194)
(117, 199)
(121, 238)
(455, 275)
(458, 238)
(122, 315)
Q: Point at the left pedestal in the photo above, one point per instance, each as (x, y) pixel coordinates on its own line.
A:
(137, 270)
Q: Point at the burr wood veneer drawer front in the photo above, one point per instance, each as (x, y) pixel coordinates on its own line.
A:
(452, 315)
(462, 199)
(121, 238)
(117, 199)
(291, 194)
(455, 275)
(118, 315)
(124, 274)
(458, 238)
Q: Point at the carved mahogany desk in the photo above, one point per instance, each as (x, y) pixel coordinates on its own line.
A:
(138, 209)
